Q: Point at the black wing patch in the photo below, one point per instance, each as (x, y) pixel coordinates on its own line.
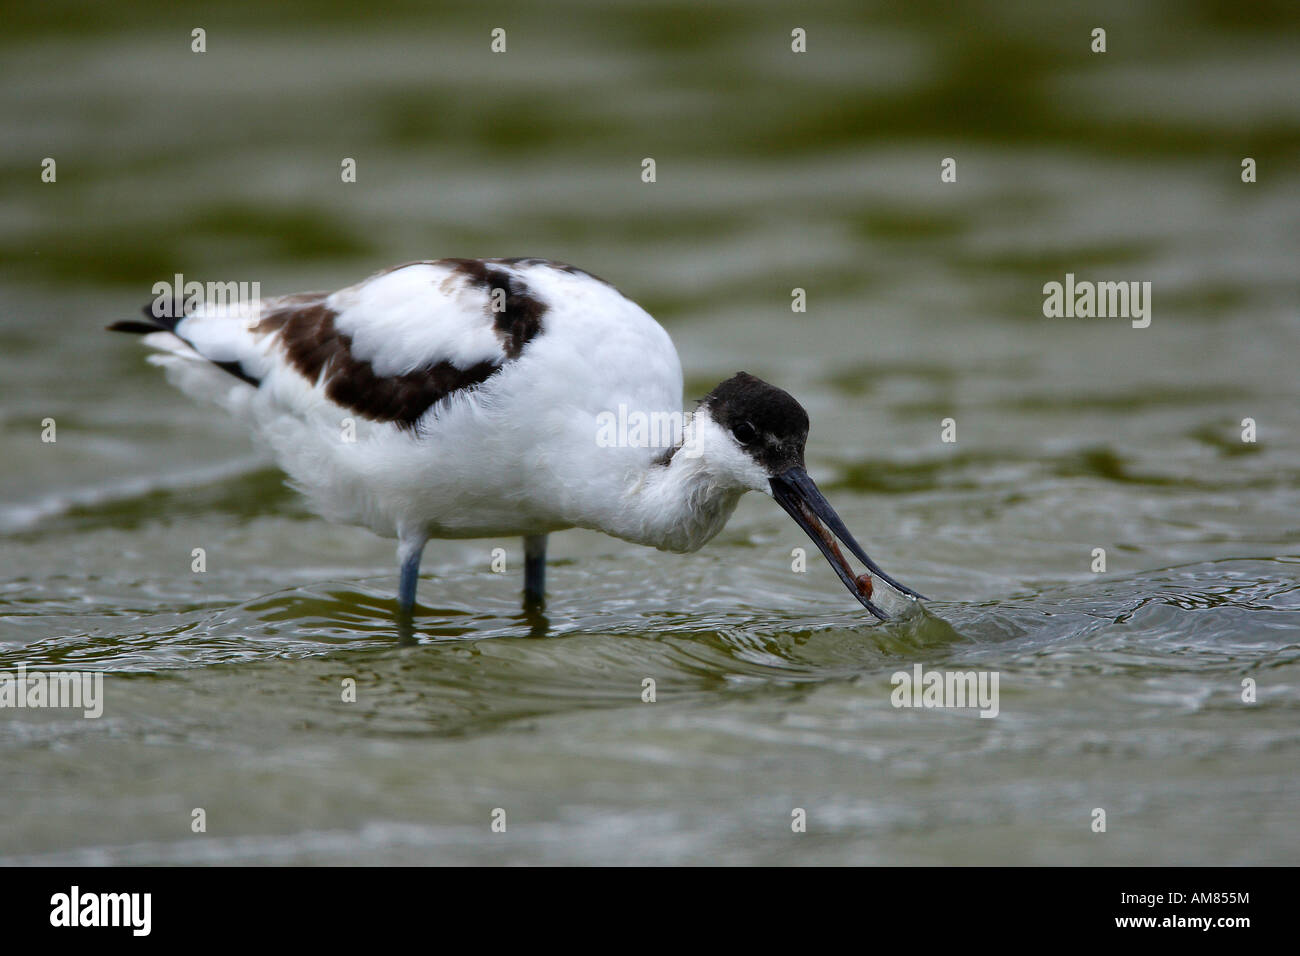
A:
(320, 352)
(315, 347)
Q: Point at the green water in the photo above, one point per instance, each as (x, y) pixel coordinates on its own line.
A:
(1119, 690)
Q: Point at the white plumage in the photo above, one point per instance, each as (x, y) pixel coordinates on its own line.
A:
(462, 398)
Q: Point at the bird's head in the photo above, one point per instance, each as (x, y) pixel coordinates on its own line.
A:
(753, 434)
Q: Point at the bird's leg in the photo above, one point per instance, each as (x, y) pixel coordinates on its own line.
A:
(409, 550)
(534, 569)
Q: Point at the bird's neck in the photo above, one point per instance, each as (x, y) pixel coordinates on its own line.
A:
(675, 505)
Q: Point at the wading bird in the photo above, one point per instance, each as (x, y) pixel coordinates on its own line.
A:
(463, 398)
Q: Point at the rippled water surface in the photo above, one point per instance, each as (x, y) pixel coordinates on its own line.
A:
(1119, 690)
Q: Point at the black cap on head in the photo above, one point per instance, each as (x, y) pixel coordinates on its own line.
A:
(772, 428)
(766, 421)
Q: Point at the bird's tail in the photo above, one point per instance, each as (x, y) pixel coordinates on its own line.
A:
(156, 323)
(203, 351)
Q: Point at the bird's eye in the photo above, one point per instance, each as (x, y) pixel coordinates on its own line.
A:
(744, 433)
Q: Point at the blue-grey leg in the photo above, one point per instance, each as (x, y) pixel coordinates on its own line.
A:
(408, 552)
(534, 569)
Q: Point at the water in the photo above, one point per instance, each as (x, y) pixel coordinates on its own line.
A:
(1120, 690)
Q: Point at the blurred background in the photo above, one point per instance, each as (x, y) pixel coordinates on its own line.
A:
(775, 170)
